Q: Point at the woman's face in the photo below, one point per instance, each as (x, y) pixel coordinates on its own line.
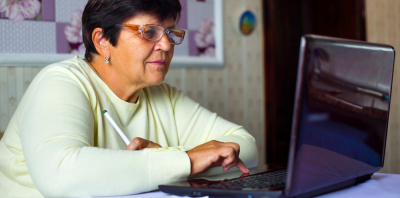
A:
(138, 61)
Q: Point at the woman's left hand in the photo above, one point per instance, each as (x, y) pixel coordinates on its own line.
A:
(140, 144)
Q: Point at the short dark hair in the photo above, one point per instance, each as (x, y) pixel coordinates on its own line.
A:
(105, 14)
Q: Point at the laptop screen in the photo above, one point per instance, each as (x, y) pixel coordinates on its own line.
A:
(341, 112)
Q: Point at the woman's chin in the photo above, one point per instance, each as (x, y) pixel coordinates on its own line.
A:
(157, 81)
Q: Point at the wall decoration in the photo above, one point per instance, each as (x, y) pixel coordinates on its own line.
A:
(204, 38)
(40, 32)
(73, 33)
(203, 45)
(247, 22)
(18, 10)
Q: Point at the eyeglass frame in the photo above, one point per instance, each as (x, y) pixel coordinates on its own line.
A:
(141, 28)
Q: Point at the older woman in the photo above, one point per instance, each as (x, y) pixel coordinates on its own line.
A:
(59, 143)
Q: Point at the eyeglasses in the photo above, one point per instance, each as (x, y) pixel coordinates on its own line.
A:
(155, 33)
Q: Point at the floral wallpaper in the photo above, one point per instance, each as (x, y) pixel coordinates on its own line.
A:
(204, 37)
(18, 10)
(73, 33)
(54, 26)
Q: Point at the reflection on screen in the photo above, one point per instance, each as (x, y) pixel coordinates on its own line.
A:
(344, 113)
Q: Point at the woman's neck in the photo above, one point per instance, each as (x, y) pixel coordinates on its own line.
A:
(125, 91)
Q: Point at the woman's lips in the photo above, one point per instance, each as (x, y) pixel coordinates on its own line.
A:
(158, 62)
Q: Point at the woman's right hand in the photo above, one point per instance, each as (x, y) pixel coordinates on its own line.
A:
(140, 144)
(213, 154)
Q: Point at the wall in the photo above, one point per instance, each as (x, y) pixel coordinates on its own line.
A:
(382, 26)
(235, 92)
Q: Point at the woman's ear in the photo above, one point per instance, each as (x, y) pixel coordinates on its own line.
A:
(100, 43)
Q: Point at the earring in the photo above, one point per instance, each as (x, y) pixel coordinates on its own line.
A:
(106, 60)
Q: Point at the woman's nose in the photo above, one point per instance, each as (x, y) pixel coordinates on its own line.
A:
(164, 43)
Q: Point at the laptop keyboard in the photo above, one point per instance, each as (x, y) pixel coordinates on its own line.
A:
(265, 180)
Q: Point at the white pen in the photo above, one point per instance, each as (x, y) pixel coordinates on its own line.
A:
(126, 140)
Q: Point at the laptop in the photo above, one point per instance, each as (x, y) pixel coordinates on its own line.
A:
(339, 126)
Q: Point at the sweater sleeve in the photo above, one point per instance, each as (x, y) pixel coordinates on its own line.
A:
(197, 125)
(57, 135)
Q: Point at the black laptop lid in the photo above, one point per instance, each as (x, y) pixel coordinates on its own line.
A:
(341, 112)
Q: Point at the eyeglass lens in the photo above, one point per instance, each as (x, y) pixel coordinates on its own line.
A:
(154, 33)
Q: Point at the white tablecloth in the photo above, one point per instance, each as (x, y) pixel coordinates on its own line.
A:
(380, 185)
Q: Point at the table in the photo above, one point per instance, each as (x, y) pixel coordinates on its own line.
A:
(380, 185)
